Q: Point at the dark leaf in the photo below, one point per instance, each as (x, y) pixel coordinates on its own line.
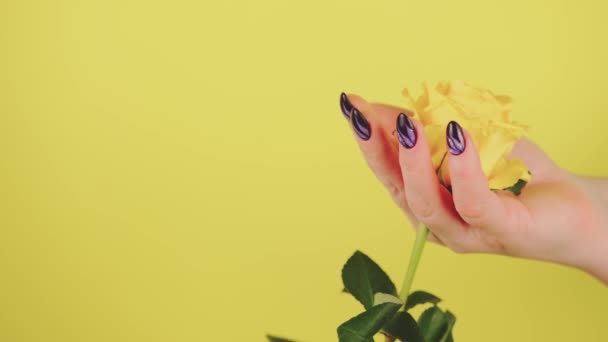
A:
(364, 326)
(447, 335)
(420, 297)
(362, 278)
(433, 323)
(404, 327)
(517, 188)
(347, 336)
(277, 339)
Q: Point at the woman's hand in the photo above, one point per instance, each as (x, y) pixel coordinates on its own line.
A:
(558, 217)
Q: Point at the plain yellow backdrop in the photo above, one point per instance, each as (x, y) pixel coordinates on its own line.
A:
(180, 170)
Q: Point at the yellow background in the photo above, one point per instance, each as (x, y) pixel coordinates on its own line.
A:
(180, 170)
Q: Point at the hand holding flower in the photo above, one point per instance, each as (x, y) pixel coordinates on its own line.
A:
(446, 162)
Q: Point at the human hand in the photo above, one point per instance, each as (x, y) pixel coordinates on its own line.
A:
(559, 217)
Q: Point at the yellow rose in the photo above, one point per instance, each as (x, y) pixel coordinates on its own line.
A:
(485, 116)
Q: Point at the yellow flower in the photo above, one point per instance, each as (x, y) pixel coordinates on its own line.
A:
(485, 116)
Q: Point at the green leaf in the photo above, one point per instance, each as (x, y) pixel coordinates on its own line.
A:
(447, 335)
(350, 337)
(364, 326)
(404, 327)
(433, 323)
(362, 278)
(518, 187)
(277, 339)
(420, 297)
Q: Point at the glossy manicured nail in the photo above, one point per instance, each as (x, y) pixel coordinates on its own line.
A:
(455, 138)
(345, 105)
(406, 132)
(360, 125)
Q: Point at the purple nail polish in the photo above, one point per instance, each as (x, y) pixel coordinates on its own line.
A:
(455, 138)
(406, 131)
(361, 125)
(345, 105)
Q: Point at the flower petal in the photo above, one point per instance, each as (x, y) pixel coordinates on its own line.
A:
(476, 102)
(410, 104)
(507, 173)
(492, 146)
(435, 135)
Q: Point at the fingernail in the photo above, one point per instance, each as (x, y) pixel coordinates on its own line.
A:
(345, 105)
(455, 138)
(406, 131)
(360, 125)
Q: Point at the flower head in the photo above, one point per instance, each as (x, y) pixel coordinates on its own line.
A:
(484, 115)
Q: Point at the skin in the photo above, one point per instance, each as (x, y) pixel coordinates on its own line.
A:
(559, 217)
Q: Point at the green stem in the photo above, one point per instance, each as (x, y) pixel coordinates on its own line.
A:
(421, 235)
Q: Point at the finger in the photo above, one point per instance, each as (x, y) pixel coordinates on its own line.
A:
(373, 140)
(430, 202)
(474, 201)
(387, 115)
(384, 113)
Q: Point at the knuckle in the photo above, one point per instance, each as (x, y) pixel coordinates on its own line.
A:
(490, 242)
(458, 249)
(463, 175)
(395, 192)
(470, 210)
(456, 246)
(422, 209)
(497, 246)
(411, 169)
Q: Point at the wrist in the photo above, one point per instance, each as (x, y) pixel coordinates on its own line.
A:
(593, 250)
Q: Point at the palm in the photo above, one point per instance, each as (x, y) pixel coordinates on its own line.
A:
(548, 211)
